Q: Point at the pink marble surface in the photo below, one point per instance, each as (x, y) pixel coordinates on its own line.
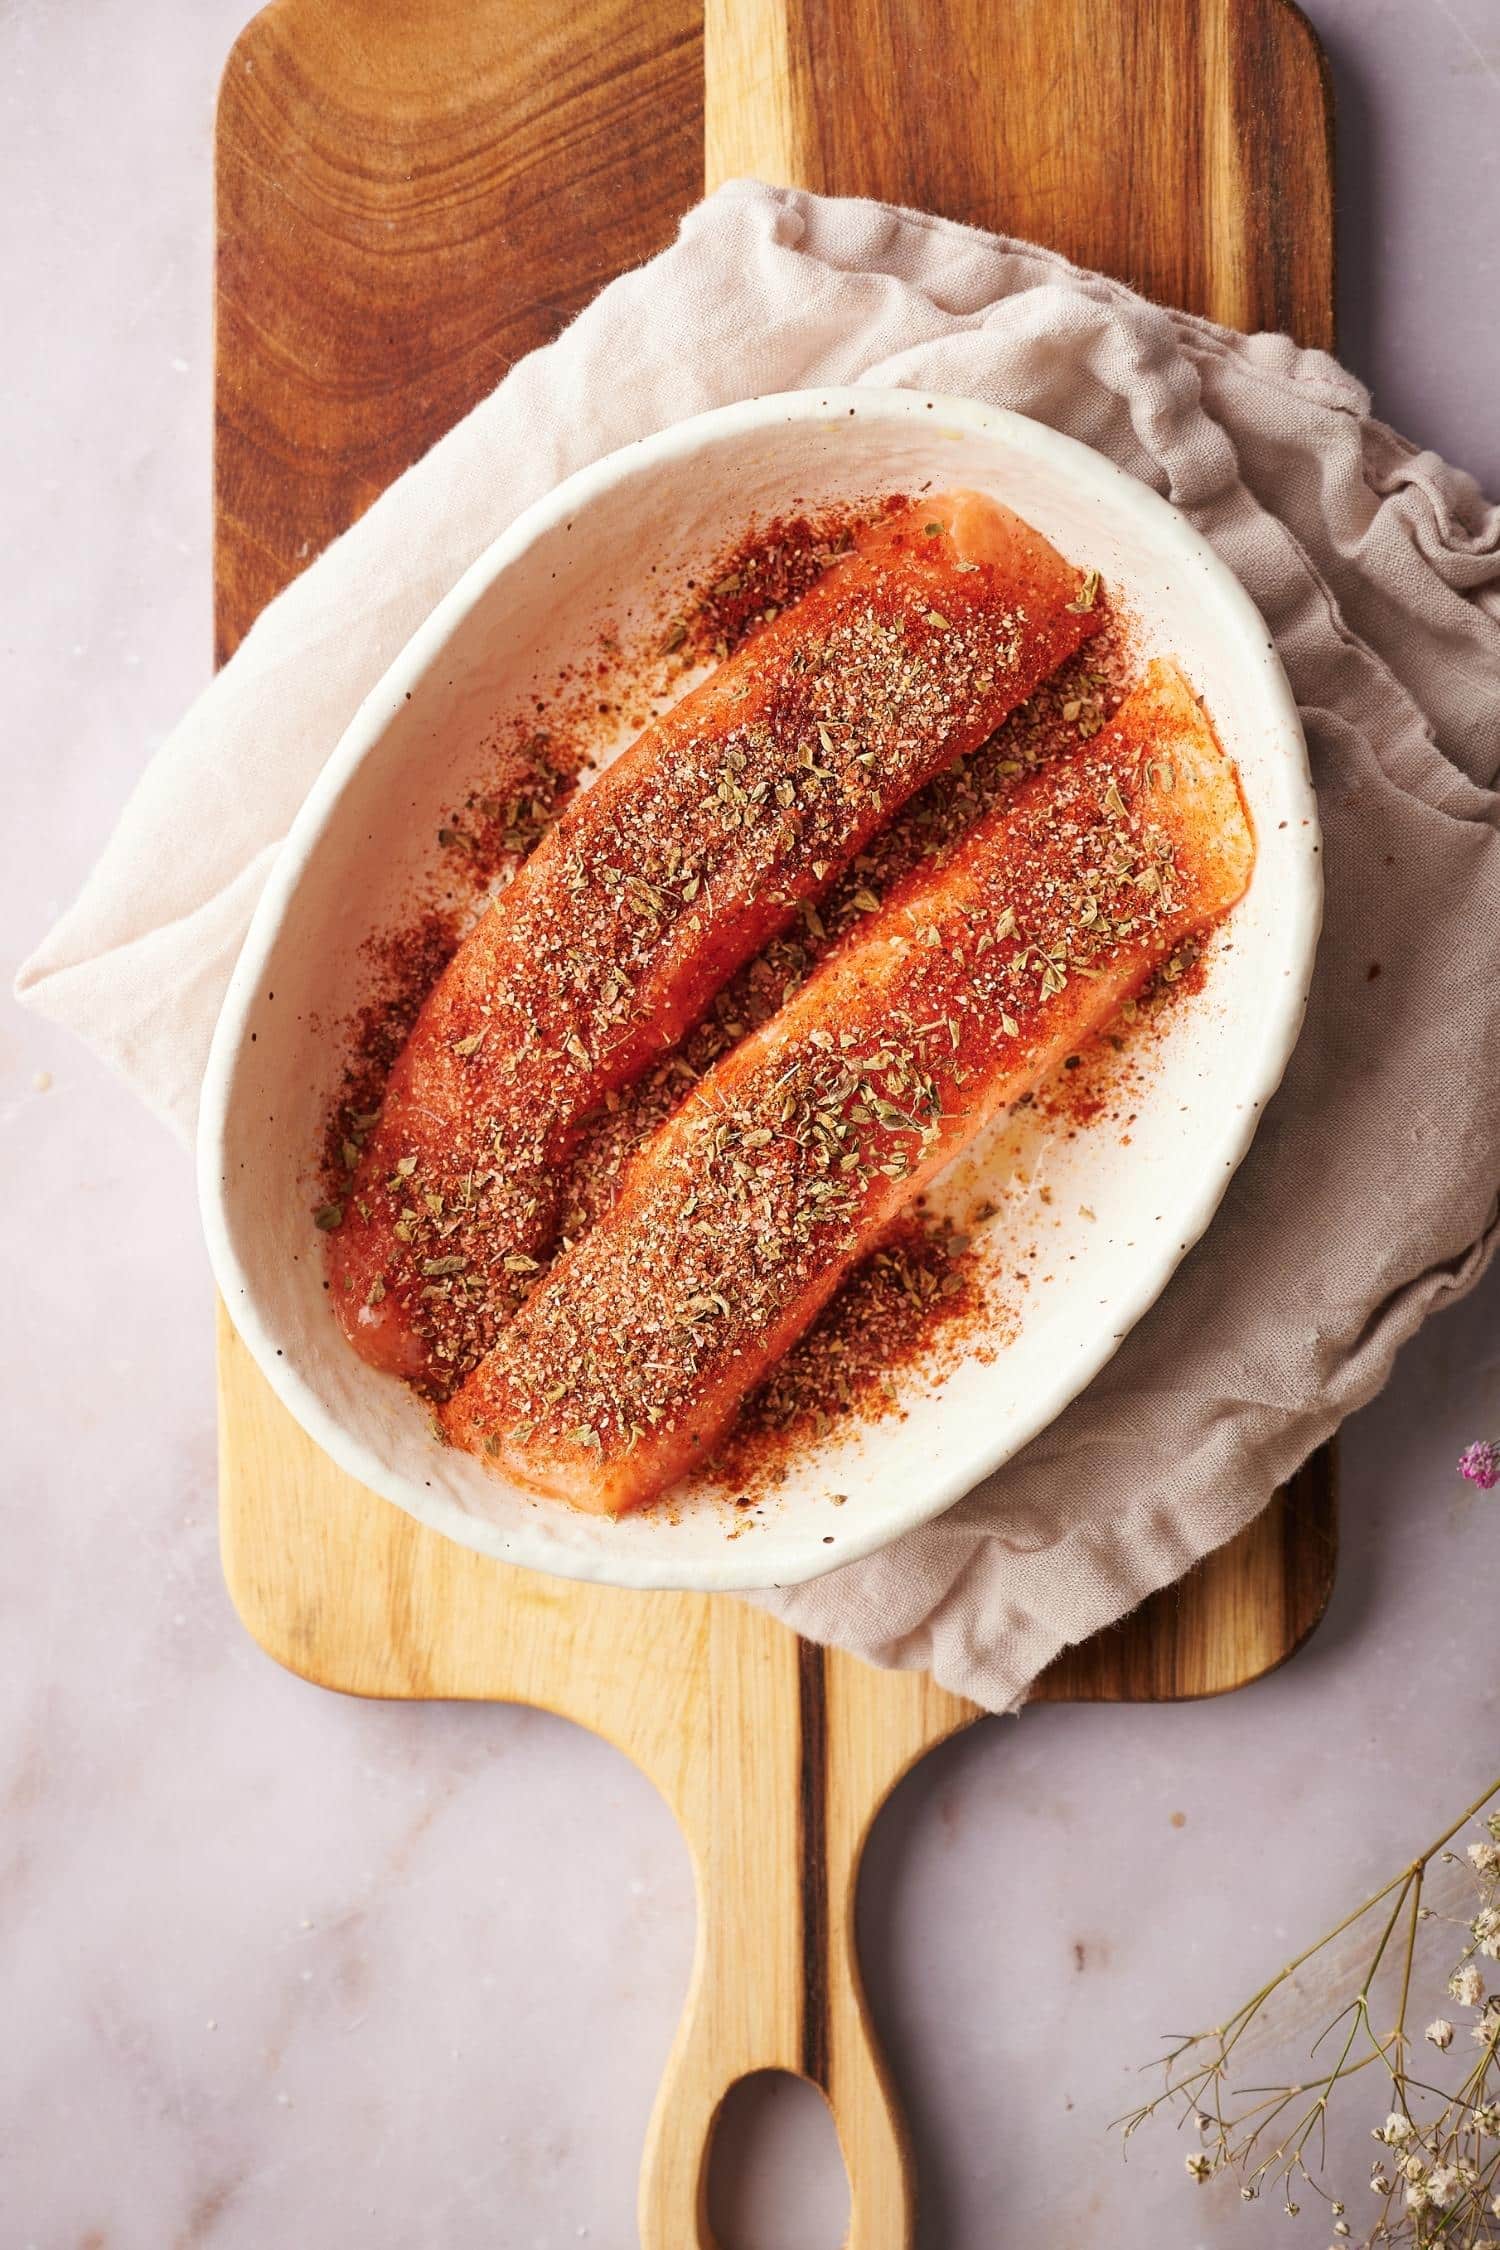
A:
(282, 1969)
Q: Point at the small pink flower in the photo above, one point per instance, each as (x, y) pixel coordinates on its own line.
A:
(1481, 1464)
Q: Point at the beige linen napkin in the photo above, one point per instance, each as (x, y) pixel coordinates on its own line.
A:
(1370, 1194)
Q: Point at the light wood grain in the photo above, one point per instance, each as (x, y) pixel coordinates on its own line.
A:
(774, 1756)
(1180, 144)
(409, 196)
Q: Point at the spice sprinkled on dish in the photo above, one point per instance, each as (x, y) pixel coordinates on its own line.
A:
(730, 816)
(789, 1160)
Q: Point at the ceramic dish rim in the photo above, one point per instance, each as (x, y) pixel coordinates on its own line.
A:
(630, 1564)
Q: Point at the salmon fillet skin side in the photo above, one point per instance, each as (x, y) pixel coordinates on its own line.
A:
(697, 845)
(784, 1166)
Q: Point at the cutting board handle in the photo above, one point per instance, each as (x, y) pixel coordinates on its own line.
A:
(718, 2043)
(777, 1825)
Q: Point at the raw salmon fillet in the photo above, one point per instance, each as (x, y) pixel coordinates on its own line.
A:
(737, 1220)
(697, 845)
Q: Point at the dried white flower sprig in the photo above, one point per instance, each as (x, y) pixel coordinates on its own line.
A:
(1437, 2172)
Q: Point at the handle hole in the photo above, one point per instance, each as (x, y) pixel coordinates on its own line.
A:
(776, 2177)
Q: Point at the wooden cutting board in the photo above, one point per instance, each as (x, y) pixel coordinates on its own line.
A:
(411, 193)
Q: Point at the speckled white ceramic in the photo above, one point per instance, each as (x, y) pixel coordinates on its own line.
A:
(1115, 1220)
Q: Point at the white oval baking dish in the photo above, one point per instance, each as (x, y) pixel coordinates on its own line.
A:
(1116, 1220)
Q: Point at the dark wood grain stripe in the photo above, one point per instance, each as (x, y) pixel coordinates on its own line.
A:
(1282, 91)
(812, 1837)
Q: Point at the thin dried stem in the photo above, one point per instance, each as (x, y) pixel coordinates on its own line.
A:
(1439, 2161)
